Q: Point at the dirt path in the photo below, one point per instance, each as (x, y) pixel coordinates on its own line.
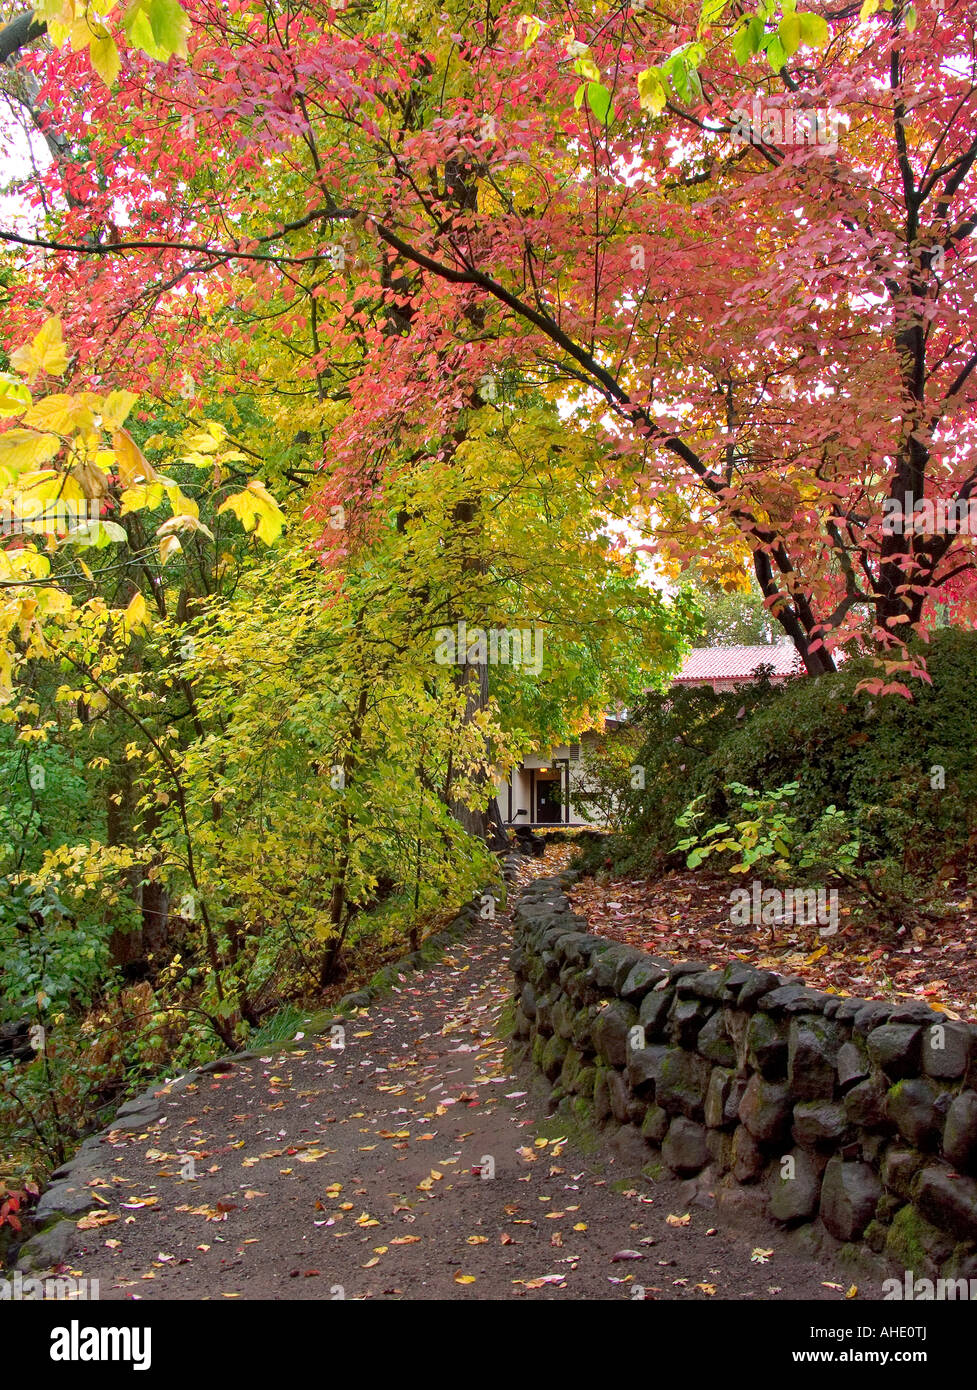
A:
(356, 1173)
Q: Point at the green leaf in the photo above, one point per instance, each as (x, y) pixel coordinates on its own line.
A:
(776, 54)
(711, 11)
(910, 18)
(170, 25)
(746, 41)
(599, 101)
(158, 27)
(789, 30)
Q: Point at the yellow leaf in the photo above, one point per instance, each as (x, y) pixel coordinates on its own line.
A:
(531, 28)
(95, 1219)
(116, 408)
(26, 449)
(105, 58)
(132, 466)
(651, 92)
(14, 396)
(180, 504)
(46, 485)
(62, 413)
(257, 511)
(140, 495)
(168, 547)
(45, 354)
(464, 1278)
(137, 614)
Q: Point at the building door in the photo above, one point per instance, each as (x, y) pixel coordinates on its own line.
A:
(549, 799)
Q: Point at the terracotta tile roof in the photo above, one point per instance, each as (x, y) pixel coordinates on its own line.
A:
(737, 663)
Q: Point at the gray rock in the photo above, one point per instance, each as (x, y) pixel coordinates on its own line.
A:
(686, 1020)
(84, 1164)
(527, 1001)
(642, 977)
(947, 1048)
(849, 1194)
(761, 982)
(895, 1047)
(714, 1041)
(554, 1055)
(133, 1120)
(899, 1166)
(960, 1132)
(49, 1248)
(766, 1047)
(612, 967)
(812, 1049)
(687, 967)
(684, 1147)
(793, 999)
(723, 1098)
(765, 1110)
(912, 1105)
(563, 1018)
(819, 1124)
(870, 1015)
(570, 947)
(682, 1081)
(602, 1096)
(653, 1013)
(794, 1188)
(619, 1095)
(915, 1011)
(611, 1029)
(865, 1105)
(69, 1198)
(948, 1200)
(749, 1160)
(720, 1147)
(851, 1064)
(582, 1035)
(705, 984)
(654, 1127)
(643, 1064)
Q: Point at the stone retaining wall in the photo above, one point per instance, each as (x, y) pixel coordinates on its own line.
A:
(847, 1116)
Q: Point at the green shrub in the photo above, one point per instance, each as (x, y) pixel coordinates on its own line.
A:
(904, 774)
